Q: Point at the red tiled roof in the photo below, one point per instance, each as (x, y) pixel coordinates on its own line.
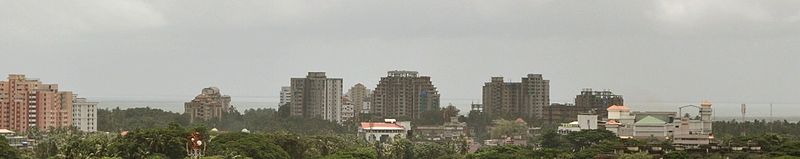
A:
(381, 125)
(617, 107)
(612, 122)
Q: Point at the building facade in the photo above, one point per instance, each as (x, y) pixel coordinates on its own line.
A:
(384, 132)
(317, 96)
(597, 101)
(588, 101)
(450, 130)
(685, 132)
(518, 99)
(404, 94)
(27, 103)
(286, 95)
(358, 98)
(348, 112)
(84, 115)
(210, 104)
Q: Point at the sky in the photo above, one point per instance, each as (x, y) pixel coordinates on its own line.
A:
(675, 51)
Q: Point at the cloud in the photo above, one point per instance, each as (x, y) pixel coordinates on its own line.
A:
(32, 19)
(727, 16)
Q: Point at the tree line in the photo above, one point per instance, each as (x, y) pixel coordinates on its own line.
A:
(153, 133)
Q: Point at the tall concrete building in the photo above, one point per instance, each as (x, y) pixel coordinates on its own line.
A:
(588, 101)
(84, 114)
(598, 99)
(517, 99)
(502, 98)
(210, 104)
(404, 94)
(26, 103)
(286, 95)
(358, 98)
(317, 96)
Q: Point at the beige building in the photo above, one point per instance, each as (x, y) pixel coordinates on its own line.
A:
(358, 98)
(684, 131)
(348, 112)
(210, 104)
(384, 132)
(517, 99)
(286, 95)
(404, 94)
(27, 103)
(317, 96)
(450, 130)
(84, 114)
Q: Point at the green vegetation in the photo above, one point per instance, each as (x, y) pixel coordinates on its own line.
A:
(270, 120)
(7, 151)
(152, 133)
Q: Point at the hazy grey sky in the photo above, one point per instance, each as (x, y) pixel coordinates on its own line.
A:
(728, 51)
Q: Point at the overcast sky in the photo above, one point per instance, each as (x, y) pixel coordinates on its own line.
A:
(728, 51)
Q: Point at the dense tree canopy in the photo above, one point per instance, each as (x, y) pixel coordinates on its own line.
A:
(7, 151)
(508, 128)
(269, 120)
(152, 133)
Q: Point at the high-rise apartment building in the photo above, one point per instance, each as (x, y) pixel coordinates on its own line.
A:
(286, 95)
(84, 114)
(404, 94)
(317, 96)
(587, 102)
(210, 104)
(597, 101)
(26, 103)
(358, 96)
(517, 99)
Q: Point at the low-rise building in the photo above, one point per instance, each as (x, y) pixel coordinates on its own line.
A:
(686, 133)
(448, 131)
(566, 128)
(16, 141)
(384, 132)
(348, 112)
(584, 122)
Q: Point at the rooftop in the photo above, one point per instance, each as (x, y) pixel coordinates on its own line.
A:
(618, 107)
(381, 126)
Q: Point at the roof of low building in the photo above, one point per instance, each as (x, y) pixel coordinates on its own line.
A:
(381, 126)
(650, 120)
(6, 131)
(618, 107)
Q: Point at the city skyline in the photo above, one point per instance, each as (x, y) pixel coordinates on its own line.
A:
(340, 79)
(651, 51)
(175, 104)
